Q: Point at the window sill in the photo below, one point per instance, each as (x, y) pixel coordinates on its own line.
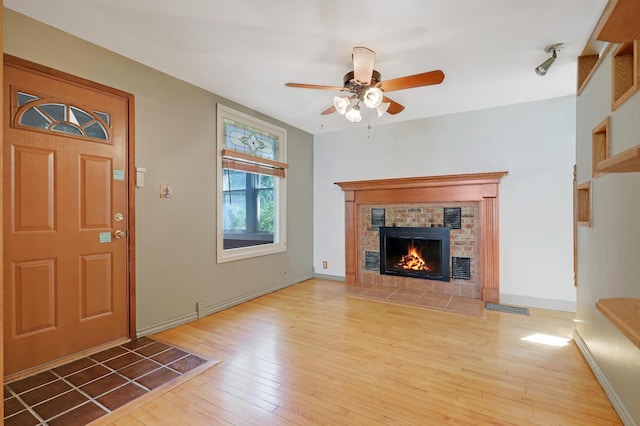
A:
(240, 253)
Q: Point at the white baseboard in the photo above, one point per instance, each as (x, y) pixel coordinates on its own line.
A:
(329, 277)
(157, 328)
(538, 302)
(208, 310)
(620, 408)
(252, 295)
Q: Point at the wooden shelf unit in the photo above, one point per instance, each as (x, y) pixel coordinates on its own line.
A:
(624, 73)
(625, 162)
(620, 21)
(587, 65)
(601, 146)
(624, 313)
(584, 204)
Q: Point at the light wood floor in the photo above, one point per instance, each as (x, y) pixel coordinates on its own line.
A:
(309, 354)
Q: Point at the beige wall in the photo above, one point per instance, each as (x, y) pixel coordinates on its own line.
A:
(608, 251)
(175, 141)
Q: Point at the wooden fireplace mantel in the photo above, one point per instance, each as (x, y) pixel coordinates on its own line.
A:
(479, 187)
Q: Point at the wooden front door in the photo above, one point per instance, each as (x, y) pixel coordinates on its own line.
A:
(66, 273)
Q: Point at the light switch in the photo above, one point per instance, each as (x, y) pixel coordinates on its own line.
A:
(140, 171)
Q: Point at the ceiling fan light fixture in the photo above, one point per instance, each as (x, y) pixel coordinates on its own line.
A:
(364, 85)
(372, 97)
(341, 104)
(353, 115)
(382, 108)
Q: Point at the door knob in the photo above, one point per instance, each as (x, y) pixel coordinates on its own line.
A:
(118, 217)
(119, 233)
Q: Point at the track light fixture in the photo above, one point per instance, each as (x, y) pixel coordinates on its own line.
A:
(553, 49)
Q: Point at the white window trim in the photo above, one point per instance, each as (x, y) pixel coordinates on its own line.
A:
(280, 229)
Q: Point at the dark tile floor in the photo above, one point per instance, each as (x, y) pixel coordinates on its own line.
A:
(88, 388)
(418, 298)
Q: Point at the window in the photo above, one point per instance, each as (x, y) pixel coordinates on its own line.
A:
(251, 186)
(44, 115)
(248, 209)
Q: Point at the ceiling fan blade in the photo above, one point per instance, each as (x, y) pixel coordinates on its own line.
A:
(363, 59)
(329, 110)
(314, 86)
(394, 108)
(410, 81)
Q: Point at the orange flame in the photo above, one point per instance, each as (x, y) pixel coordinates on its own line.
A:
(412, 260)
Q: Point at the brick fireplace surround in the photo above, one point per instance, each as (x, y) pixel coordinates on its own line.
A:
(481, 188)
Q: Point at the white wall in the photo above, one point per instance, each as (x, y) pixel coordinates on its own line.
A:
(608, 251)
(534, 142)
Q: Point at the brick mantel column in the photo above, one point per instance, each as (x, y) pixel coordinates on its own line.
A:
(478, 187)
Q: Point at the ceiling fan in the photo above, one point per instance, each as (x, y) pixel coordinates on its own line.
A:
(365, 86)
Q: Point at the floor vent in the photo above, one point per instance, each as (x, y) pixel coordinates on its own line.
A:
(506, 308)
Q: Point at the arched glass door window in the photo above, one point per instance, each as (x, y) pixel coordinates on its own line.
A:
(58, 117)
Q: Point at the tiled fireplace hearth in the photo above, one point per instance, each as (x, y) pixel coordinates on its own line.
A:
(424, 202)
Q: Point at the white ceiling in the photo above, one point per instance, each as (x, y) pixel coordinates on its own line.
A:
(246, 50)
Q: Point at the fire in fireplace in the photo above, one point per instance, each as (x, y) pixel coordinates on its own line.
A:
(415, 252)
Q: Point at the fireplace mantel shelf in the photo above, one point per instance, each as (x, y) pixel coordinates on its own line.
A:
(421, 182)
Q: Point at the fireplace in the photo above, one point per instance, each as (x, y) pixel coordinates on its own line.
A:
(415, 252)
(481, 188)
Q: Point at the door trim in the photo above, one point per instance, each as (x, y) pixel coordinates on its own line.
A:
(1, 206)
(130, 114)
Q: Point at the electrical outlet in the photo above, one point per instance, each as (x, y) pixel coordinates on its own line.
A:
(325, 264)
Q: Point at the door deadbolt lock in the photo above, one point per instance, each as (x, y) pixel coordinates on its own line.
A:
(119, 233)
(118, 217)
